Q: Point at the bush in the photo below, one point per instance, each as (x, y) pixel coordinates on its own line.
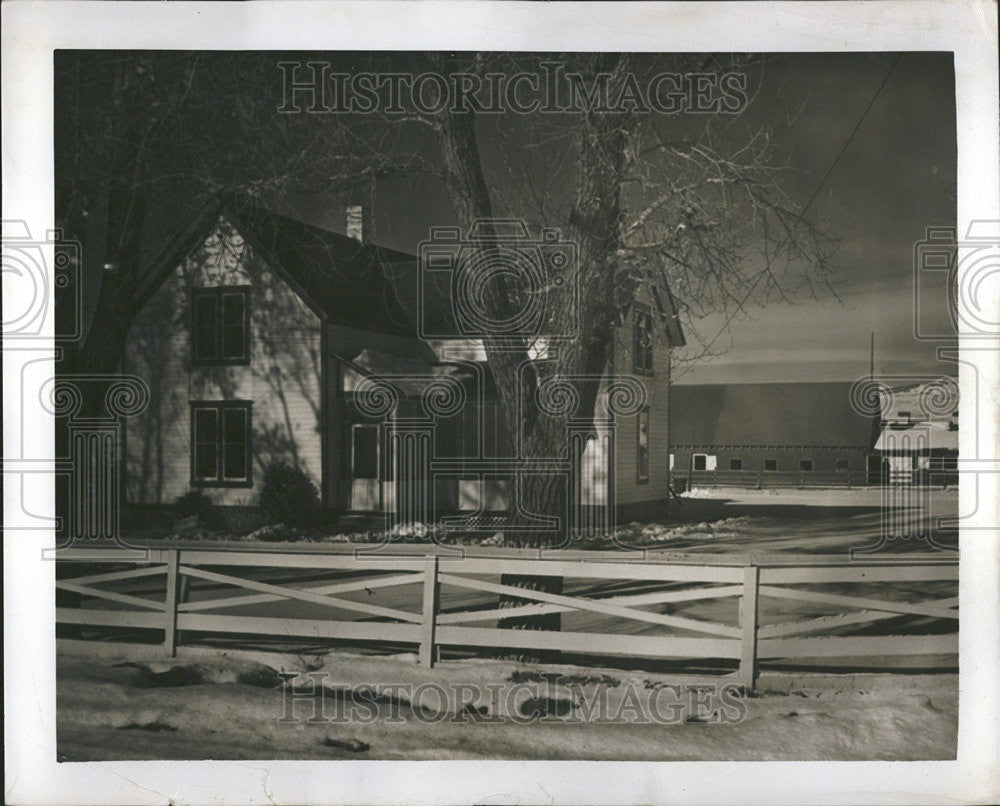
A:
(241, 519)
(195, 502)
(287, 495)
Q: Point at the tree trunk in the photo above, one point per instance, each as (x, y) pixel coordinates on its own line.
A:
(542, 495)
(594, 228)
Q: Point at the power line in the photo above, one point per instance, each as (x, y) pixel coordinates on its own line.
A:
(819, 187)
(854, 131)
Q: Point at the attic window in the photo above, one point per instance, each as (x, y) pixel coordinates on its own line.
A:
(642, 339)
(806, 465)
(770, 464)
(220, 326)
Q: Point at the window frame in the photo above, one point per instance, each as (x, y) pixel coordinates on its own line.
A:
(736, 463)
(640, 476)
(642, 310)
(220, 406)
(771, 469)
(217, 293)
(354, 428)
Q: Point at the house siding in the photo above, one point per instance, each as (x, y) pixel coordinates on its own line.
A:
(282, 378)
(629, 491)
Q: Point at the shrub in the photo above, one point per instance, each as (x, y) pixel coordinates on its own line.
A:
(287, 495)
(195, 502)
(241, 519)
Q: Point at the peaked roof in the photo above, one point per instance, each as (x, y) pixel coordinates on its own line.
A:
(771, 414)
(360, 285)
(933, 435)
(338, 277)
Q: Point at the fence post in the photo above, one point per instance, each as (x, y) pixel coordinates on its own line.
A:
(173, 590)
(748, 623)
(429, 612)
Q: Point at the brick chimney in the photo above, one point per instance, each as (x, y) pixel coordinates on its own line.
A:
(358, 211)
(356, 222)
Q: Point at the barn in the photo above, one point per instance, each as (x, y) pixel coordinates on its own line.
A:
(770, 435)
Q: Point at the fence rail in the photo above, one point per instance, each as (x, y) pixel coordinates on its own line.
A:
(157, 594)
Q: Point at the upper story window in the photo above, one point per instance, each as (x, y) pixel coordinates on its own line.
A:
(642, 339)
(220, 325)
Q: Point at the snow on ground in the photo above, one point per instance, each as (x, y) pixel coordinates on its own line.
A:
(702, 519)
(218, 703)
(122, 702)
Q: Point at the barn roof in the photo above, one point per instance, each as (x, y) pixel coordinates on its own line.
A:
(769, 414)
(932, 435)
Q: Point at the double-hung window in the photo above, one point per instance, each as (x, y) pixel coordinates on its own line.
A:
(642, 340)
(220, 325)
(221, 443)
(642, 447)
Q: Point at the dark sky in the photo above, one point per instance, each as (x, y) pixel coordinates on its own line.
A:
(872, 142)
(871, 147)
(895, 178)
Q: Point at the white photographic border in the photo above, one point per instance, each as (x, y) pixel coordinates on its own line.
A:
(32, 30)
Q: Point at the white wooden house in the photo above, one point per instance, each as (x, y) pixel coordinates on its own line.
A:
(264, 338)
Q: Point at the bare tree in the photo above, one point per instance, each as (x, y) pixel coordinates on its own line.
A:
(643, 207)
(694, 201)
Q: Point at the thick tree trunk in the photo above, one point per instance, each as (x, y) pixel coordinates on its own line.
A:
(540, 495)
(594, 228)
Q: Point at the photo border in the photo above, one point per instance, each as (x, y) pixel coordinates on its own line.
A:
(32, 30)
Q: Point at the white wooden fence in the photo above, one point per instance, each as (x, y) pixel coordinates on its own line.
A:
(667, 579)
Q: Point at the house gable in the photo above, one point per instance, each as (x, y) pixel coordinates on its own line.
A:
(278, 383)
